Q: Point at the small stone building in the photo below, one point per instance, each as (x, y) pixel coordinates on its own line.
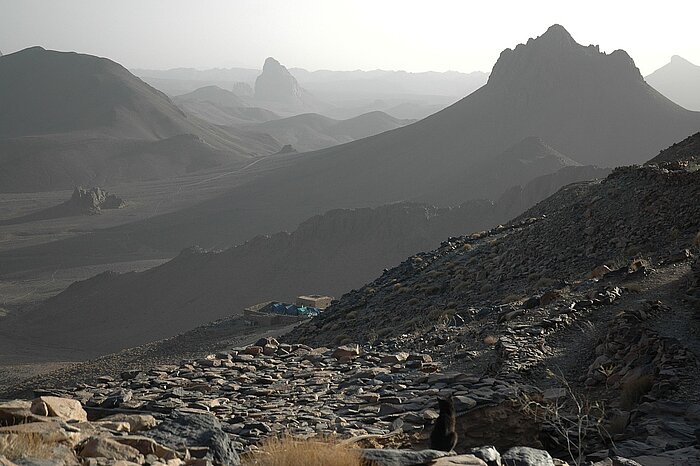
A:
(314, 300)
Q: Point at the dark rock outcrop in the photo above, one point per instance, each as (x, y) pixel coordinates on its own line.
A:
(277, 87)
(93, 200)
(180, 431)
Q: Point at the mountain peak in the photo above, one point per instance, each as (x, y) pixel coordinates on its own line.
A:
(276, 84)
(678, 60)
(555, 58)
(272, 64)
(557, 32)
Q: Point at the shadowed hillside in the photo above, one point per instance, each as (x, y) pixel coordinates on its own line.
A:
(73, 119)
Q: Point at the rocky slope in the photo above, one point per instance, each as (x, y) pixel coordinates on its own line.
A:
(679, 81)
(682, 154)
(636, 212)
(79, 119)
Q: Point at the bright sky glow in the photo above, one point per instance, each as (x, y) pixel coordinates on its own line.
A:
(343, 34)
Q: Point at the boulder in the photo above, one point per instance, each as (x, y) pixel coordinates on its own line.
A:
(148, 446)
(137, 422)
(45, 431)
(117, 426)
(347, 351)
(526, 456)
(53, 406)
(389, 457)
(181, 431)
(488, 454)
(103, 447)
(460, 460)
(15, 412)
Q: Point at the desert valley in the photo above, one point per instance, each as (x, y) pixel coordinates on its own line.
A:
(280, 266)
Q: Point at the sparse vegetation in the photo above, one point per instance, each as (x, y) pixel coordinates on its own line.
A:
(342, 339)
(574, 421)
(490, 340)
(288, 451)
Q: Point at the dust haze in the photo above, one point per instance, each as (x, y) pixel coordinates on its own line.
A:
(261, 232)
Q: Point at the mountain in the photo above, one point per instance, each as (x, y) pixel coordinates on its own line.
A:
(618, 118)
(679, 80)
(524, 161)
(591, 106)
(179, 81)
(78, 119)
(646, 216)
(311, 131)
(331, 253)
(213, 94)
(221, 107)
(277, 88)
(519, 198)
(385, 83)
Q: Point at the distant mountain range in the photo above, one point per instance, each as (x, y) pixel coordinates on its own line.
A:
(222, 107)
(335, 94)
(311, 131)
(593, 107)
(326, 82)
(586, 107)
(679, 80)
(71, 119)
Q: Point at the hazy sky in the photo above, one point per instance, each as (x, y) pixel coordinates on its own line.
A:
(343, 34)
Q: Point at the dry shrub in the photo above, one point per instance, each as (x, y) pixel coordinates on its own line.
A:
(342, 339)
(574, 422)
(511, 298)
(21, 445)
(490, 340)
(288, 451)
(545, 282)
(634, 389)
(696, 241)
